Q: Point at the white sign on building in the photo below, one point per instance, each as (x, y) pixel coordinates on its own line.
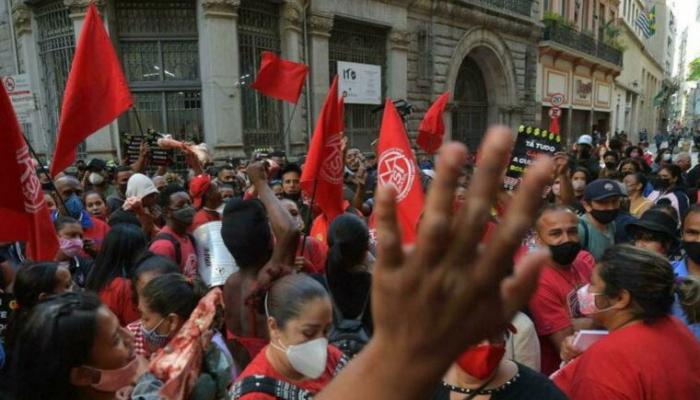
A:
(20, 91)
(360, 83)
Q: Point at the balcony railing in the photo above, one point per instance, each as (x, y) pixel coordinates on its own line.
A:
(522, 7)
(582, 42)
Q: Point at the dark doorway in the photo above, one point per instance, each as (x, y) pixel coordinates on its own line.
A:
(470, 113)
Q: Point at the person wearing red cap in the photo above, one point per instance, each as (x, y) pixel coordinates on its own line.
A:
(206, 200)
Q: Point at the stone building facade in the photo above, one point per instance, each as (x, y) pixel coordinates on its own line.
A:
(576, 60)
(189, 65)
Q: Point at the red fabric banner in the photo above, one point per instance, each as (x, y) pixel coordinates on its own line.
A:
(279, 78)
(322, 178)
(396, 166)
(96, 91)
(432, 127)
(24, 214)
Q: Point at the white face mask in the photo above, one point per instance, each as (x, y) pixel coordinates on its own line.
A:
(308, 358)
(578, 185)
(95, 178)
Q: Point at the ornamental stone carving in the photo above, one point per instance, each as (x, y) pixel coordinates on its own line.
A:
(292, 16)
(321, 25)
(79, 7)
(22, 18)
(221, 8)
(399, 39)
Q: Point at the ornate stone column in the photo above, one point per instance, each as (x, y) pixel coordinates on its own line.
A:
(320, 26)
(295, 140)
(22, 22)
(397, 64)
(104, 142)
(220, 73)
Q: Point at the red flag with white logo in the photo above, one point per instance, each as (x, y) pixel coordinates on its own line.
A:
(322, 178)
(396, 166)
(96, 91)
(23, 211)
(432, 127)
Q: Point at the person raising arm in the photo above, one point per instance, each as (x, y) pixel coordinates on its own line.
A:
(476, 291)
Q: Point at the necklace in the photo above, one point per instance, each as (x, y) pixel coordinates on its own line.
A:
(462, 390)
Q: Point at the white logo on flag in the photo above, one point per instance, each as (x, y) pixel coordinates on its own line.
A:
(31, 187)
(397, 170)
(332, 168)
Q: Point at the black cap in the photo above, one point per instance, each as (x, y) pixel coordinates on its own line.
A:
(655, 221)
(601, 189)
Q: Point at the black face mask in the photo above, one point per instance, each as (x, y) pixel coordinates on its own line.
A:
(604, 216)
(692, 249)
(661, 184)
(565, 253)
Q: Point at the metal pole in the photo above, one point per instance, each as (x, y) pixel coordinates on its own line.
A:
(308, 217)
(287, 130)
(138, 119)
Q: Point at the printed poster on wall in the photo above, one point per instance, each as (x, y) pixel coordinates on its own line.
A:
(360, 83)
(530, 143)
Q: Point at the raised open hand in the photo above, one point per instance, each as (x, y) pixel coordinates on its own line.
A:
(446, 293)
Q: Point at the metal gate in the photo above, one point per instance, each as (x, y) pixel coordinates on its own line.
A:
(258, 31)
(360, 43)
(471, 107)
(56, 45)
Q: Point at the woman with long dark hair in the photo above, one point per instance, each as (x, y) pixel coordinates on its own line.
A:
(348, 269)
(110, 277)
(72, 347)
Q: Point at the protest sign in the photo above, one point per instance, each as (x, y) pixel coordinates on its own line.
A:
(530, 143)
(157, 156)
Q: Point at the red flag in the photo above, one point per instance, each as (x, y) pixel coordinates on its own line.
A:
(322, 177)
(279, 78)
(96, 91)
(554, 125)
(432, 128)
(24, 214)
(397, 167)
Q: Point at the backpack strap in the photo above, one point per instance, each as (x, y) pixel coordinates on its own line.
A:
(585, 233)
(170, 238)
(270, 386)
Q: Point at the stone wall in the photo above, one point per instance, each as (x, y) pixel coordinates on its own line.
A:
(514, 36)
(7, 63)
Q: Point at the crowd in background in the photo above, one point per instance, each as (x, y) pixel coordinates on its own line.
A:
(621, 224)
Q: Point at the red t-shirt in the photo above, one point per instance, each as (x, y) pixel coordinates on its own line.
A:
(551, 308)
(202, 217)
(315, 253)
(640, 361)
(117, 296)
(188, 255)
(261, 366)
(97, 233)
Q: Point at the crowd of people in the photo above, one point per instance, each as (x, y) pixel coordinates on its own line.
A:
(583, 283)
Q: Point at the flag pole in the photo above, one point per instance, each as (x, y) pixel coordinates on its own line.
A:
(308, 217)
(288, 129)
(138, 120)
(43, 169)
